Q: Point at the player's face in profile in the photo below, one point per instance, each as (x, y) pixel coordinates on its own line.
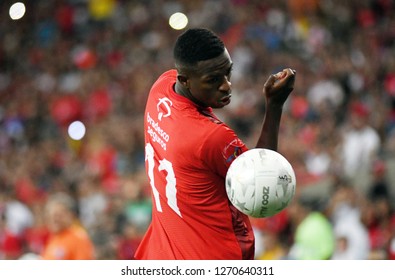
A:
(210, 83)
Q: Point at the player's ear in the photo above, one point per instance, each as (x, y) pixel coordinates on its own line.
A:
(183, 79)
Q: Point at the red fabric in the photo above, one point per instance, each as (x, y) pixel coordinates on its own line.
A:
(36, 238)
(389, 84)
(85, 59)
(114, 58)
(10, 245)
(233, 36)
(26, 191)
(98, 104)
(366, 18)
(66, 109)
(359, 109)
(126, 248)
(65, 18)
(299, 107)
(102, 162)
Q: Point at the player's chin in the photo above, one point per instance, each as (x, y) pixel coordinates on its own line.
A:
(218, 105)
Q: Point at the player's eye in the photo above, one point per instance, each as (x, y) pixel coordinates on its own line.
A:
(213, 79)
(229, 74)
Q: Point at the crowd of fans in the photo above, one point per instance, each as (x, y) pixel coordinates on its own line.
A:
(95, 60)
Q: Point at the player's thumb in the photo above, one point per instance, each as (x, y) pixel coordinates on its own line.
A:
(270, 81)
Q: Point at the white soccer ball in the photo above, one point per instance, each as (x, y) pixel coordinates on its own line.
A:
(260, 182)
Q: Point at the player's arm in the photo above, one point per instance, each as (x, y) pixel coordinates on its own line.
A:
(276, 91)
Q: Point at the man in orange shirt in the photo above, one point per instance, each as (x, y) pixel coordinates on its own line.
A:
(69, 240)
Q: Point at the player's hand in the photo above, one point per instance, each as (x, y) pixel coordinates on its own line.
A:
(278, 86)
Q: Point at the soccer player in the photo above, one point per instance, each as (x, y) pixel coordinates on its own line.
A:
(188, 151)
(68, 240)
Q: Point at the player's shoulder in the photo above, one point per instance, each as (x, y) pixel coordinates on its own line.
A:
(77, 232)
(166, 78)
(220, 135)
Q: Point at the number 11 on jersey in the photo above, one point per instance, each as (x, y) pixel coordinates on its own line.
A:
(170, 188)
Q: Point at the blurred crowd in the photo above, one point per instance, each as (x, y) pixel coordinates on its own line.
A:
(95, 60)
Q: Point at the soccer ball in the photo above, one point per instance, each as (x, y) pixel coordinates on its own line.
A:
(260, 182)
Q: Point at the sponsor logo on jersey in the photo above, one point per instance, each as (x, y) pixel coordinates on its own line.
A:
(232, 150)
(163, 108)
(157, 133)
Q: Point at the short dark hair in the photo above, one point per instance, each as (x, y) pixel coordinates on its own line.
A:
(197, 44)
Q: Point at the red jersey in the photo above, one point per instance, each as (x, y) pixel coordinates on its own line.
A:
(187, 154)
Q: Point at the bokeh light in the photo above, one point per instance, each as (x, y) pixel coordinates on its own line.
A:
(17, 10)
(76, 130)
(178, 21)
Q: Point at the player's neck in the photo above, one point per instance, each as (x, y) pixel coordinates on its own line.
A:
(179, 89)
(183, 91)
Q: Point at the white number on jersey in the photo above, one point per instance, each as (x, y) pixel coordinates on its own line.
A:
(171, 190)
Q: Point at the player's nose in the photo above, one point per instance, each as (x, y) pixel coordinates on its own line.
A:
(226, 86)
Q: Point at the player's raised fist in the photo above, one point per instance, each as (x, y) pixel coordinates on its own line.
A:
(278, 86)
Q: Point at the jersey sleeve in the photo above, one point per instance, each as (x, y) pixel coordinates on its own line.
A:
(221, 148)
